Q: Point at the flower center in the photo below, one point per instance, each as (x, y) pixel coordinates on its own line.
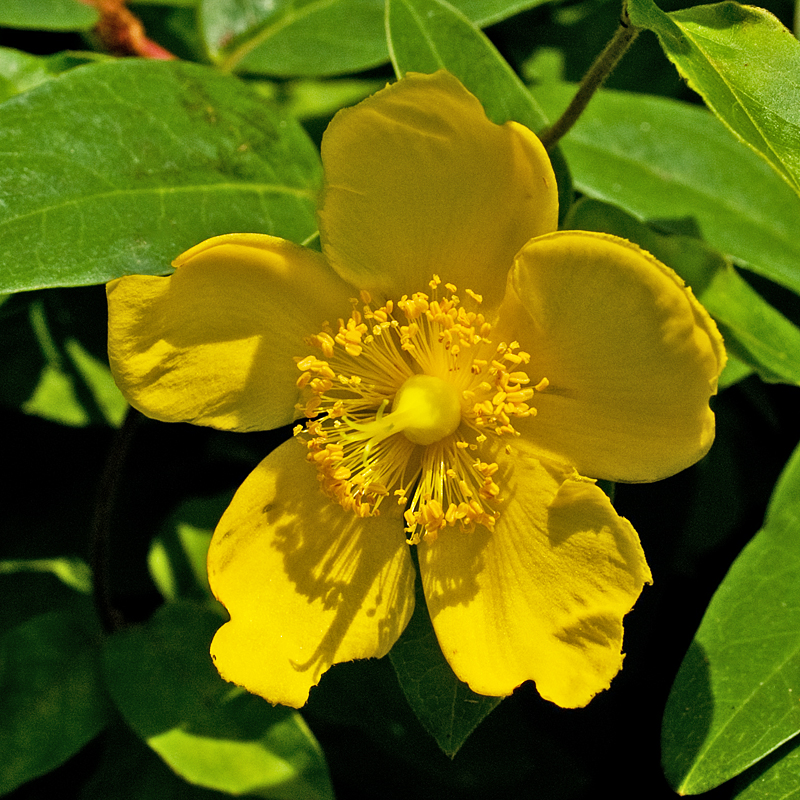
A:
(449, 388)
(426, 409)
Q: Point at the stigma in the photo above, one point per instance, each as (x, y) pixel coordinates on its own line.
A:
(401, 403)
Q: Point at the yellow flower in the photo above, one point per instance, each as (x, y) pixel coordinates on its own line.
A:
(462, 366)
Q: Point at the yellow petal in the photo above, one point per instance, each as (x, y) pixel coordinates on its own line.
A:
(631, 356)
(542, 597)
(306, 583)
(213, 344)
(418, 181)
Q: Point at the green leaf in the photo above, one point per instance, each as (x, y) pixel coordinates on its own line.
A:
(321, 99)
(70, 571)
(208, 731)
(755, 332)
(34, 586)
(116, 168)
(169, 3)
(736, 697)
(734, 372)
(447, 708)
(777, 777)
(744, 63)
(22, 71)
(127, 769)
(428, 35)
(785, 494)
(314, 37)
(177, 557)
(662, 159)
(48, 15)
(51, 697)
(52, 369)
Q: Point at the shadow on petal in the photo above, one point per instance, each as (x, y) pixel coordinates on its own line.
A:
(454, 582)
(307, 584)
(214, 344)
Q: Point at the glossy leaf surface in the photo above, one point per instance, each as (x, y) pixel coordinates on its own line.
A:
(735, 699)
(661, 159)
(314, 37)
(133, 162)
(744, 63)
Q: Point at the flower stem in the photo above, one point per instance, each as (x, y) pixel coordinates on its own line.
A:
(603, 66)
(108, 492)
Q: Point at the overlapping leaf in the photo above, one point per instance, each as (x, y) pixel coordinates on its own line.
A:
(177, 557)
(737, 695)
(776, 777)
(55, 363)
(118, 167)
(744, 63)
(754, 331)
(314, 37)
(447, 708)
(21, 71)
(663, 159)
(51, 697)
(211, 733)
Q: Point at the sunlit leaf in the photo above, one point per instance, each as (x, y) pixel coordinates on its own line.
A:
(734, 372)
(737, 695)
(51, 697)
(744, 63)
(447, 708)
(663, 159)
(127, 769)
(50, 369)
(48, 15)
(777, 777)
(759, 335)
(118, 167)
(785, 495)
(177, 557)
(208, 731)
(314, 37)
(21, 71)
(71, 571)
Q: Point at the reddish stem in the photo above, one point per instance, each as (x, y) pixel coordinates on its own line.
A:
(121, 32)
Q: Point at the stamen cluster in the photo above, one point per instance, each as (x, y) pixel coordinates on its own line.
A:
(359, 449)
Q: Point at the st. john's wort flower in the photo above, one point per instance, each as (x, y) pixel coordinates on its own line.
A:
(460, 366)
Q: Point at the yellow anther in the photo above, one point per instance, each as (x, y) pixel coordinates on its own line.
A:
(401, 407)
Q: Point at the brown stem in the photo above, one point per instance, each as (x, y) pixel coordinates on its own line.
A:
(593, 80)
(121, 32)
